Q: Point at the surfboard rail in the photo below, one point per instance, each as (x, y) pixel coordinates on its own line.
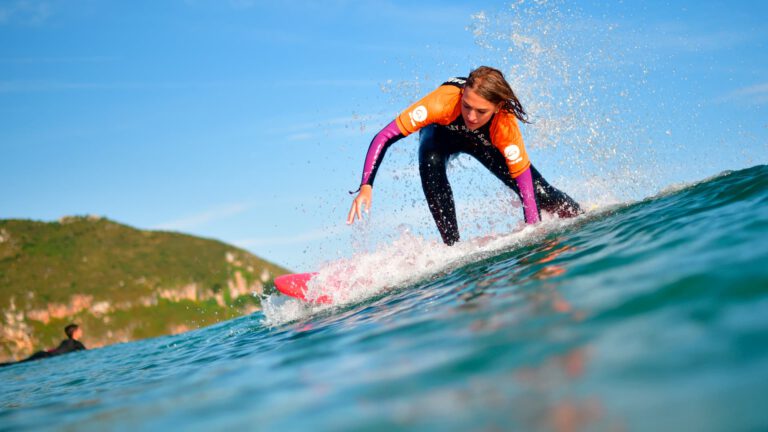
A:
(295, 285)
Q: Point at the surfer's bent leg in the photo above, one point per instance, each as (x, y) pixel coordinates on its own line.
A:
(494, 161)
(434, 181)
(548, 198)
(552, 199)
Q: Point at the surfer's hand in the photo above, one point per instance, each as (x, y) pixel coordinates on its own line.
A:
(361, 202)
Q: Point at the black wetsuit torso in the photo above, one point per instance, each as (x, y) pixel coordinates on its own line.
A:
(68, 346)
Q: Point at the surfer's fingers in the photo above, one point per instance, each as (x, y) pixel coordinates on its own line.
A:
(354, 211)
(359, 204)
(351, 215)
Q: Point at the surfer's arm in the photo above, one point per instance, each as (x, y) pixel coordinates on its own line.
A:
(379, 145)
(504, 130)
(528, 196)
(440, 106)
(376, 150)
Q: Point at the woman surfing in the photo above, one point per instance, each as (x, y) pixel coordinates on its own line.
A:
(478, 116)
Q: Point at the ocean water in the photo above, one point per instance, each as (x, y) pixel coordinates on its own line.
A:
(650, 315)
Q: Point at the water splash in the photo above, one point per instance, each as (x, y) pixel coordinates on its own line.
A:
(404, 262)
(581, 81)
(565, 66)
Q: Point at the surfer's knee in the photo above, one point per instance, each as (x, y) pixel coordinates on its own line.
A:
(430, 161)
(559, 203)
(568, 209)
(432, 165)
(430, 154)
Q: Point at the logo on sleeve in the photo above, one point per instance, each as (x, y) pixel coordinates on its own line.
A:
(512, 153)
(418, 115)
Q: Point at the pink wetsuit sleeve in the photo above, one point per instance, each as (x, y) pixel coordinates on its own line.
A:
(376, 150)
(527, 194)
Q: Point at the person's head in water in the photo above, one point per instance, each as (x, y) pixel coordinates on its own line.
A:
(486, 92)
(73, 331)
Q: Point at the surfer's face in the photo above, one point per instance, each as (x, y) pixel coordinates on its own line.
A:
(476, 110)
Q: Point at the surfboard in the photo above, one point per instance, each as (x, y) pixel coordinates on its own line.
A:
(295, 285)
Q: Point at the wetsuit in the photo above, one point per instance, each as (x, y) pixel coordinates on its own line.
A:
(498, 145)
(66, 346)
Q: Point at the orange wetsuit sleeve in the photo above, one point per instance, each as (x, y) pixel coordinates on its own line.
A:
(441, 107)
(506, 137)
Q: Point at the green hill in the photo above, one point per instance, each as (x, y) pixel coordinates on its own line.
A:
(117, 282)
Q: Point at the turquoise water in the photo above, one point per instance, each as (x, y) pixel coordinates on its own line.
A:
(647, 316)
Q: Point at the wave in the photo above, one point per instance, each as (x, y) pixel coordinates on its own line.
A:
(643, 315)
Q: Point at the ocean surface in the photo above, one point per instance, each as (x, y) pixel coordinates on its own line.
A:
(650, 315)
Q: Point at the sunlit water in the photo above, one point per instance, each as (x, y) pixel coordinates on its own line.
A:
(646, 316)
(649, 315)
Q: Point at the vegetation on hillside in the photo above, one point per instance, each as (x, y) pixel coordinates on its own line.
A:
(118, 282)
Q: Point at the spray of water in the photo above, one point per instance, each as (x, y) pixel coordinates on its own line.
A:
(406, 261)
(581, 86)
(584, 85)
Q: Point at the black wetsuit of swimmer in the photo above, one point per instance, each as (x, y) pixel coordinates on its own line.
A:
(66, 346)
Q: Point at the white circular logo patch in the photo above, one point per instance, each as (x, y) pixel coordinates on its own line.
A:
(512, 152)
(420, 113)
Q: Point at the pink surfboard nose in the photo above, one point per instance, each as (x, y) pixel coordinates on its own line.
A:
(295, 285)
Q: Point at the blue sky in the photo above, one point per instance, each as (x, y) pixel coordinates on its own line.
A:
(248, 121)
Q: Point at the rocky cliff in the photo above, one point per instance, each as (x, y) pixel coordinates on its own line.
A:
(117, 282)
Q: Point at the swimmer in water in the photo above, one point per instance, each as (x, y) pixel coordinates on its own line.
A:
(478, 116)
(68, 345)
